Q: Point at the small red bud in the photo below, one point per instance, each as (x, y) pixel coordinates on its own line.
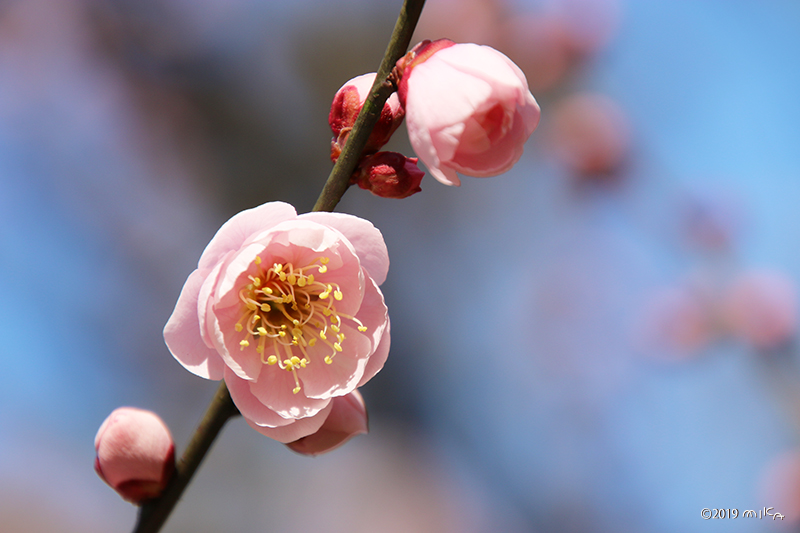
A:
(345, 108)
(389, 175)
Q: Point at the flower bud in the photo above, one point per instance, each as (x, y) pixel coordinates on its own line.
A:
(347, 104)
(389, 175)
(347, 418)
(468, 109)
(135, 453)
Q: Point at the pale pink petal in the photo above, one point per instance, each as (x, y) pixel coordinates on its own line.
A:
(348, 418)
(500, 158)
(322, 380)
(252, 409)
(183, 337)
(366, 239)
(297, 429)
(241, 226)
(274, 389)
(375, 316)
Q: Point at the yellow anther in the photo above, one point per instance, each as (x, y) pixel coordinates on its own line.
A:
(312, 342)
(283, 326)
(322, 269)
(324, 260)
(251, 306)
(335, 328)
(292, 279)
(238, 327)
(271, 360)
(265, 307)
(258, 260)
(255, 318)
(282, 275)
(277, 267)
(260, 348)
(322, 335)
(362, 328)
(340, 336)
(282, 333)
(303, 362)
(301, 282)
(326, 312)
(296, 389)
(262, 331)
(328, 360)
(288, 364)
(244, 343)
(337, 346)
(297, 333)
(310, 279)
(338, 294)
(287, 298)
(324, 295)
(257, 282)
(296, 322)
(295, 360)
(266, 290)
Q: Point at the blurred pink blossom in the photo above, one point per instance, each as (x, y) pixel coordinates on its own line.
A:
(760, 307)
(287, 310)
(347, 104)
(678, 322)
(590, 134)
(468, 109)
(135, 453)
(779, 487)
(347, 419)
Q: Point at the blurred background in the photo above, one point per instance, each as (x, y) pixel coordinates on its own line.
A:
(601, 340)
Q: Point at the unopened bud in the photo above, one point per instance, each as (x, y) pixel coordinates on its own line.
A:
(348, 418)
(347, 104)
(135, 453)
(389, 175)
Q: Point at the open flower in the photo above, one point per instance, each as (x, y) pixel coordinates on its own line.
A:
(468, 109)
(287, 310)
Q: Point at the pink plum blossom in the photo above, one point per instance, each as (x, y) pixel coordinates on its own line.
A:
(135, 453)
(347, 419)
(761, 308)
(287, 310)
(468, 109)
(346, 106)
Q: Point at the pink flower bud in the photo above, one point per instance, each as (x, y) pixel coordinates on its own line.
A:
(389, 175)
(135, 453)
(345, 108)
(347, 418)
(468, 109)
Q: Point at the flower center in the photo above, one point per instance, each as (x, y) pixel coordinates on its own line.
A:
(285, 311)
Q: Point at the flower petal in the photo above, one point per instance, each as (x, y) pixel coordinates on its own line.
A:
(182, 333)
(366, 239)
(297, 429)
(233, 234)
(274, 389)
(252, 409)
